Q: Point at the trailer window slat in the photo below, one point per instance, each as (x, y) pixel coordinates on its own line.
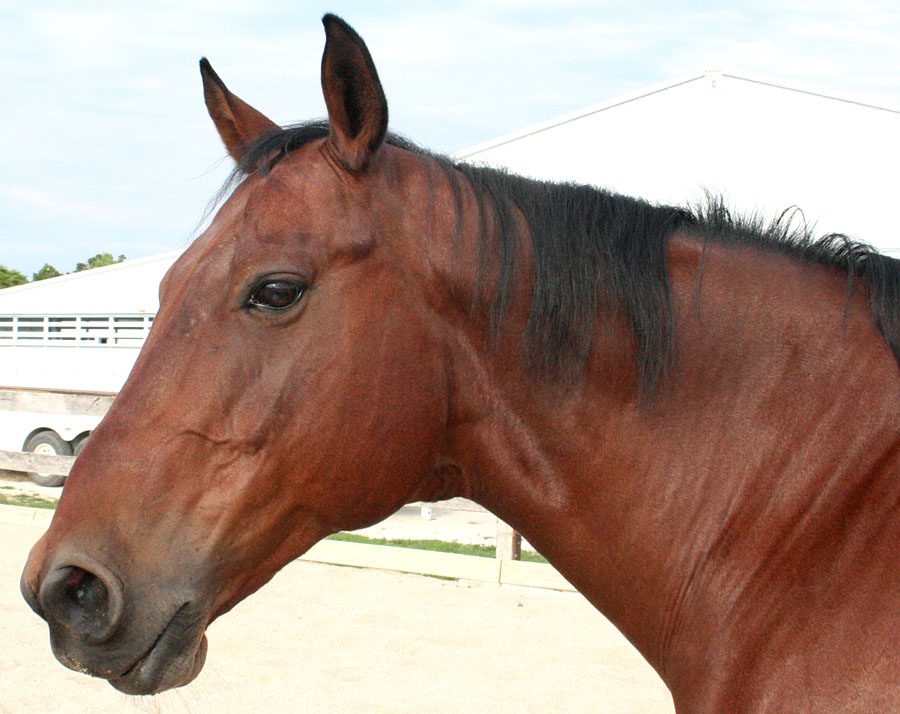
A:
(113, 330)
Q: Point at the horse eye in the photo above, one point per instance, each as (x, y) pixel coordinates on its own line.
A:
(276, 295)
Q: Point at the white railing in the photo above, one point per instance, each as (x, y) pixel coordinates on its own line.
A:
(128, 330)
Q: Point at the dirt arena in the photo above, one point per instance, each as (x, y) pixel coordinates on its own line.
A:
(321, 638)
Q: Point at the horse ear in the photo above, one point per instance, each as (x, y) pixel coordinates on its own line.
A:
(238, 123)
(357, 109)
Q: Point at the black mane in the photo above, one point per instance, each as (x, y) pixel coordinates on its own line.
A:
(595, 248)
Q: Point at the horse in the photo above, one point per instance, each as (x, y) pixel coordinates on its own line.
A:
(693, 415)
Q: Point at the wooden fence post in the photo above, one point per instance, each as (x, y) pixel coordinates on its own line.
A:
(509, 543)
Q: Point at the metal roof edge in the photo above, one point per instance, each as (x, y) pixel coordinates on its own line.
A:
(92, 272)
(574, 115)
(769, 82)
(640, 94)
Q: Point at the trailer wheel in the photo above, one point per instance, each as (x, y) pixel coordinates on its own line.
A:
(47, 442)
(78, 443)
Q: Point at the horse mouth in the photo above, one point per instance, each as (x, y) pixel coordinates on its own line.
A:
(174, 659)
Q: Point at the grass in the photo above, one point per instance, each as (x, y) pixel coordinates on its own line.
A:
(482, 551)
(24, 499)
(15, 498)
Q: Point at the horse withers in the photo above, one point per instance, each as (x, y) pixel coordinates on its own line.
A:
(694, 417)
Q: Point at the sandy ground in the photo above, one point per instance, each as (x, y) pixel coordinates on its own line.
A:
(321, 638)
(18, 482)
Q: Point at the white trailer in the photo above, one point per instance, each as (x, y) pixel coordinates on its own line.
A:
(59, 337)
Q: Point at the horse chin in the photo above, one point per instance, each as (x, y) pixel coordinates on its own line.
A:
(174, 659)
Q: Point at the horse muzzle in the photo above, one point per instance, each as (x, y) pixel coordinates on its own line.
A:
(174, 659)
(143, 642)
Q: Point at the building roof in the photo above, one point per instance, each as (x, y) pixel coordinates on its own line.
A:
(128, 287)
(634, 96)
(764, 146)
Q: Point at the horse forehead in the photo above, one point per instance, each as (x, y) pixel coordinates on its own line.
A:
(301, 189)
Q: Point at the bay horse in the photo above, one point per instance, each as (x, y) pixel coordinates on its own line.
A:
(693, 416)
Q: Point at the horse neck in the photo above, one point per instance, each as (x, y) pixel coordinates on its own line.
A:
(707, 514)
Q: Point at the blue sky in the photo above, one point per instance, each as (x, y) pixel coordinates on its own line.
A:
(106, 145)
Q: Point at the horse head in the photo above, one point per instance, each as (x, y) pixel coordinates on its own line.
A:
(293, 385)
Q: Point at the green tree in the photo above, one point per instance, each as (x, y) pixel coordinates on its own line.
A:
(10, 277)
(99, 261)
(48, 271)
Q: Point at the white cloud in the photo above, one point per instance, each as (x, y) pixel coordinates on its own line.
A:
(43, 201)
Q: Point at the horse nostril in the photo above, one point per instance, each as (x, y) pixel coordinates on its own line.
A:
(85, 590)
(88, 605)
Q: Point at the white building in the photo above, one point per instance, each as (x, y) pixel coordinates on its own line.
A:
(762, 146)
(80, 331)
(130, 287)
(76, 332)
